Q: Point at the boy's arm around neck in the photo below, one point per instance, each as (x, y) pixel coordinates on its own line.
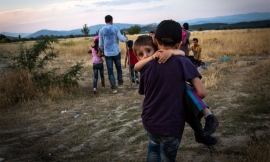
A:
(140, 64)
(164, 55)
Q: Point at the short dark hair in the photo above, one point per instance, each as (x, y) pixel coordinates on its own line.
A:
(130, 43)
(144, 40)
(195, 39)
(168, 33)
(108, 18)
(152, 32)
(186, 26)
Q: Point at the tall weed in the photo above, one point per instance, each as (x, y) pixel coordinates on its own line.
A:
(16, 86)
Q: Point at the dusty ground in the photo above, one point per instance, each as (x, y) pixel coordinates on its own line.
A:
(109, 126)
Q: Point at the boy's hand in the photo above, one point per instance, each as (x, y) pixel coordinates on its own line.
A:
(163, 55)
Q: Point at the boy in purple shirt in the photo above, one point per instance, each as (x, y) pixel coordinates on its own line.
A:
(163, 113)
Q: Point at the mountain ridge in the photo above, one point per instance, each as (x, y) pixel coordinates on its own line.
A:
(229, 19)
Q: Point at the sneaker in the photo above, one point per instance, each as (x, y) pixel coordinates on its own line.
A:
(137, 81)
(95, 90)
(114, 91)
(120, 87)
(206, 140)
(211, 124)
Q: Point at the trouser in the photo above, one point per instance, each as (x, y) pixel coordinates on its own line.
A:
(196, 62)
(193, 107)
(134, 74)
(117, 61)
(98, 67)
(162, 148)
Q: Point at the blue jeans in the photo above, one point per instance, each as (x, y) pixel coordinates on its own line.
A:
(162, 148)
(100, 68)
(117, 61)
(132, 72)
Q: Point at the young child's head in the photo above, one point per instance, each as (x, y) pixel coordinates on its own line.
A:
(151, 33)
(195, 41)
(95, 43)
(186, 26)
(96, 39)
(130, 43)
(168, 34)
(144, 47)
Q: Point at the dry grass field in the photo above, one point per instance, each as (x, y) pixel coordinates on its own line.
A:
(109, 128)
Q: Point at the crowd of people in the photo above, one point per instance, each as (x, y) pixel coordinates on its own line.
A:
(165, 109)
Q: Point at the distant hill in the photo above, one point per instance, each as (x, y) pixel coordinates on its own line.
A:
(243, 20)
(240, 25)
(256, 16)
(15, 34)
(93, 30)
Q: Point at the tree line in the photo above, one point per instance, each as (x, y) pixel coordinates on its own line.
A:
(136, 29)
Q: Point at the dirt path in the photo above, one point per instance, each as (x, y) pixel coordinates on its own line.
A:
(109, 126)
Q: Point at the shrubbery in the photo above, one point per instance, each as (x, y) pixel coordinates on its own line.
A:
(30, 76)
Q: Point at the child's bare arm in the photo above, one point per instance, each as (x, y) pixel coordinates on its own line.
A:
(166, 54)
(126, 59)
(139, 65)
(163, 56)
(89, 51)
(198, 85)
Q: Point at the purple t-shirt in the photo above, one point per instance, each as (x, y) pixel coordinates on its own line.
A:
(163, 86)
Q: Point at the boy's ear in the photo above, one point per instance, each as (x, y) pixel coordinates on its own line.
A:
(154, 40)
(177, 46)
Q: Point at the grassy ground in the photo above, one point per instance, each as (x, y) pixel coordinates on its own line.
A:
(109, 125)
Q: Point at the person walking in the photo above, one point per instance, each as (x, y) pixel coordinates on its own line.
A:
(184, 45)
(97, 64)
(109, 37)
(131, 60)
(163, 110)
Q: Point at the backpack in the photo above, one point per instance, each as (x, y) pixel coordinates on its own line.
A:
(185, 36)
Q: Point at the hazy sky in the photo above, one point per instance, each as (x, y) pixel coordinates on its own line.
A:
(29, 16)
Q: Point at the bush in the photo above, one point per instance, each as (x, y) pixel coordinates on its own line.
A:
(29, 75)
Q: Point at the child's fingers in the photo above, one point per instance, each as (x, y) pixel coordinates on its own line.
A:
(162, 58)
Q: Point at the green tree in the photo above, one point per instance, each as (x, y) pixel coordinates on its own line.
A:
(85, 30)
(4, 39)
(136, 29)
(71, 36)
(200, 29)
